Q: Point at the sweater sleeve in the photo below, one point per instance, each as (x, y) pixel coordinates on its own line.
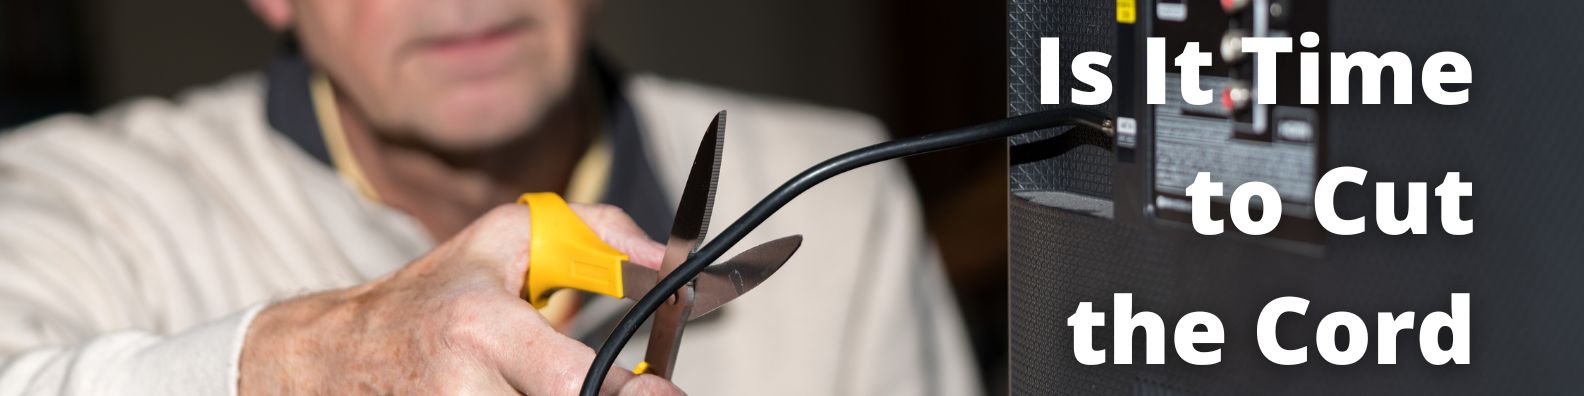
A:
(80, 277)
(73, 318)
(199, 361)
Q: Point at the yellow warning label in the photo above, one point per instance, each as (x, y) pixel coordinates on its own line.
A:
(1126, 13)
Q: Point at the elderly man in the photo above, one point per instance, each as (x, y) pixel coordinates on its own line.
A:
(337, 225)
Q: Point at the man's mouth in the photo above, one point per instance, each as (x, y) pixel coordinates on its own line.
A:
(477, 38)
(477, 53)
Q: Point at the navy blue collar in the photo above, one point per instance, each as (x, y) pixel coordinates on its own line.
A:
(631, 185)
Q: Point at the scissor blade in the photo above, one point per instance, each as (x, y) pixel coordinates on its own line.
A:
(665, 333)
(687, 231)
(637, 280)
(724, 282)
(698, 197)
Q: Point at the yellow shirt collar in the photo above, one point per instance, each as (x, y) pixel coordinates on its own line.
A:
(587, 184)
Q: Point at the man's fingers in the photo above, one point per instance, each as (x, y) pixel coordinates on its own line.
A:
(535, 359)
(615, 380)
(648, 385)
(617, 229)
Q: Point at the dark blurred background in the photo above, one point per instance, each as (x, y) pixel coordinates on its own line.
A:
(919, 66)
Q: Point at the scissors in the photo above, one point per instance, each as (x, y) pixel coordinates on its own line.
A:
(566, 254)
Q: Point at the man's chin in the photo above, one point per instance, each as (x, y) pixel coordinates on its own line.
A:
(481, 128)
(484, 116)
(464, 138)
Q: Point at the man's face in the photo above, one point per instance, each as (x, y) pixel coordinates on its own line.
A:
(454, 74)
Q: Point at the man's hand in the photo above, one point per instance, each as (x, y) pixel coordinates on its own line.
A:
(450, 322)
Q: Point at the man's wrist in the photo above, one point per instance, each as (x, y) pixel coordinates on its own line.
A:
(278, 351)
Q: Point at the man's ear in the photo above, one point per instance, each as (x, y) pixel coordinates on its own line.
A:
(276, 14)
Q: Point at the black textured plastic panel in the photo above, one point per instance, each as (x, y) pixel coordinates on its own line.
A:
(1052, 267)
(1082, 25)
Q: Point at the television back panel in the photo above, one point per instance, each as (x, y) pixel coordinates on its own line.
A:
(1091, 218)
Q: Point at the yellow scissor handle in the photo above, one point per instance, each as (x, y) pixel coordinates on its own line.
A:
(564, 253)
